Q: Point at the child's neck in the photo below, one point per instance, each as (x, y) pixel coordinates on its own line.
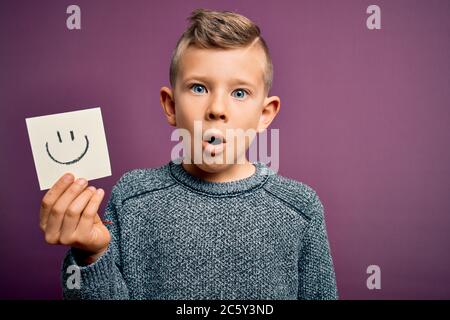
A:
(230, 173)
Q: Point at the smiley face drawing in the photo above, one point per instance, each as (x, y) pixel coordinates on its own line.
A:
(72, 136)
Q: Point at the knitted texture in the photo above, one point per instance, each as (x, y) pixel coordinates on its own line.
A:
(175, 236)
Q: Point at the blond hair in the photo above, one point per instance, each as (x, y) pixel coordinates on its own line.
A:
(220, 29)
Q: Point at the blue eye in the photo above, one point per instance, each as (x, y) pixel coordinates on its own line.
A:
(198, 88)
(240, 93)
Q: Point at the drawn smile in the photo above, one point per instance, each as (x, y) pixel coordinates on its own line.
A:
(71, 161)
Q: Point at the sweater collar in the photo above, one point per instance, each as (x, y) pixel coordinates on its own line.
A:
(255, 181)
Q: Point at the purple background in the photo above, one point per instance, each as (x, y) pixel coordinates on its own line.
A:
(364, 120)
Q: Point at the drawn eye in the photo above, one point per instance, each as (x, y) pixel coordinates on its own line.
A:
(240, 93)
(198, 88)
(59, 136)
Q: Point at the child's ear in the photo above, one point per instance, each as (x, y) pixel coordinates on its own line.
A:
(269, 111)
(168, 104)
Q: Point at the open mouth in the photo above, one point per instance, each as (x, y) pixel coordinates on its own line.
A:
(214, 142)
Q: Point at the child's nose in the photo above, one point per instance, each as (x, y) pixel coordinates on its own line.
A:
(217, 111)
(214, 115)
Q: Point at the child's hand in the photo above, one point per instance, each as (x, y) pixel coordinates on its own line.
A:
(68, 216)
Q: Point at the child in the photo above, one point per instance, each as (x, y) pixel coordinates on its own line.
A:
(200, 230)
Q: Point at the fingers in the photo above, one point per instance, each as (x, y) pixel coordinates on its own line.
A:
(73, 214)
(90, 213)
(56, 215)
(51, 196)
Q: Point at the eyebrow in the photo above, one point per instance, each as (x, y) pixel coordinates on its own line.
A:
(235, 81)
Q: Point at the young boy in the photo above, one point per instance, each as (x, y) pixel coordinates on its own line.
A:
(200, 230)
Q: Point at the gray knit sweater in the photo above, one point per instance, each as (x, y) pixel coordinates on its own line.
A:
(175, 236)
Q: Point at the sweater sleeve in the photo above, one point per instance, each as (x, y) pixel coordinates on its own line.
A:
(101, 280)
(317, 279)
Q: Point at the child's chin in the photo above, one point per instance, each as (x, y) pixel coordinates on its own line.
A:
(213, 167)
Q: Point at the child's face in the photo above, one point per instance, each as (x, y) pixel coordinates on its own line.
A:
(221, 89)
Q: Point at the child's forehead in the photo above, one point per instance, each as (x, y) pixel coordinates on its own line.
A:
(243, 53)
(237, 64)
